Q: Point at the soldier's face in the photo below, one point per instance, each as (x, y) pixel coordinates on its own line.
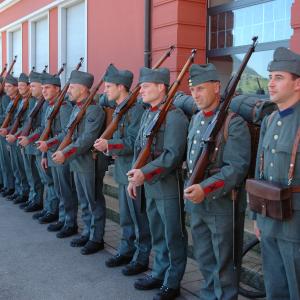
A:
(10, 89)
(282, 86)
(150, 91)
(111, 90)
(206, 95)
(23, 88)
(75, 91)
(50, 91)
(36, 89)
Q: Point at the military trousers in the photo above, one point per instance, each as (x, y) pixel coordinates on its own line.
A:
(169, 240)
(5, 163)
(92, 205)
(136, 237)
(66, 192)
(281, 267)
(17, 163)
(36, 188)
(51, 200)
(213, 250)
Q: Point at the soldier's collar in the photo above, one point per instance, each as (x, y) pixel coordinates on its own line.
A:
(154, 108)
(80, 104)
(286, 112)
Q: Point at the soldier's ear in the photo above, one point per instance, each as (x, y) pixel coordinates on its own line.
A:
(297, 84)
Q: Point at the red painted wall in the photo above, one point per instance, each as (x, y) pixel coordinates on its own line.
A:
(4, 49)
(115, 35)
(53, 42)
(295, 22)
(25, 47)
(21, 9)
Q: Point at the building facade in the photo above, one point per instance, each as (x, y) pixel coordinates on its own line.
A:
(133, 32)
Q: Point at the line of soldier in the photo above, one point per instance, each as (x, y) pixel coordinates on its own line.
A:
(72, 175)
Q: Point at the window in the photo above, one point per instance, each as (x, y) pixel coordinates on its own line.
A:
(72, 37)
(39, 41)
(14, 43)
(232, 24)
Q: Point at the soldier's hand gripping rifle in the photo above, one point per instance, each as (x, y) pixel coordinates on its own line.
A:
(9, 71)
(208, 140)
(68, 138)
(129, 101)
(161, 116)
(3, 70)
(10, 113)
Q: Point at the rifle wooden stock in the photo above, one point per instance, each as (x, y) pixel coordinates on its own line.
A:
(3, 70)
(130, 100)
(16, 124)
(146, 151)
(26, 130)
(9, 70)
(68, 138)
(9, 115)
(47, 131)
(210, 136)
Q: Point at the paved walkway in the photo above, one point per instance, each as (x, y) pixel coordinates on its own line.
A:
(34, 264)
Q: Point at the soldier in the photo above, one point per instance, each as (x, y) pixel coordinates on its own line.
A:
(24, 90)
(162, 182)
(8, 178)
(21, 185)
(62, 177)
(79, 154)
(50, 210)
(280, 240)
(209, 201)
(134, 248)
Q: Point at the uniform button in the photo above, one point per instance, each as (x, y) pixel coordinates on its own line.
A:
(191, 161)
(271, 178)
(279, 123)
(198, 131)
(193, 152)
(195, 142)
(273, 151)
(271, 164)
(191, 171)
(202, 122)
(275, 137)
(214, 197)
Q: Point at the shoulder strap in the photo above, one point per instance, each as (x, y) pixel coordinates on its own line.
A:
(270, 118)
(229, 117)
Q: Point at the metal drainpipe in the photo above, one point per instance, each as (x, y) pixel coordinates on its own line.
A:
(147, 34)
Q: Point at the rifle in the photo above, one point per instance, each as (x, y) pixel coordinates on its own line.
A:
(68, 138)
(16, 124)
(9, 71)
(3, 70)
(208, 140)
(59, 102)
(45, 69)
(128, 102)
(60, 70)
(11, 111)
(26, 130)
(161, 116)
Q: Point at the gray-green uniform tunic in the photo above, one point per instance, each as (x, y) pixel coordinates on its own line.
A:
(62, 176)
(79, 156)
(8, 178)
(163, 189)
(280, 240)
(136, 238)
(212, 220)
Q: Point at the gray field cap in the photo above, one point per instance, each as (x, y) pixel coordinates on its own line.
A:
(83, 78)
(23, 78)
(161, 75)
(35, 77)
(116, 76)
(285, 60)
(202, 73)
(50, 79)
(11, 80)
